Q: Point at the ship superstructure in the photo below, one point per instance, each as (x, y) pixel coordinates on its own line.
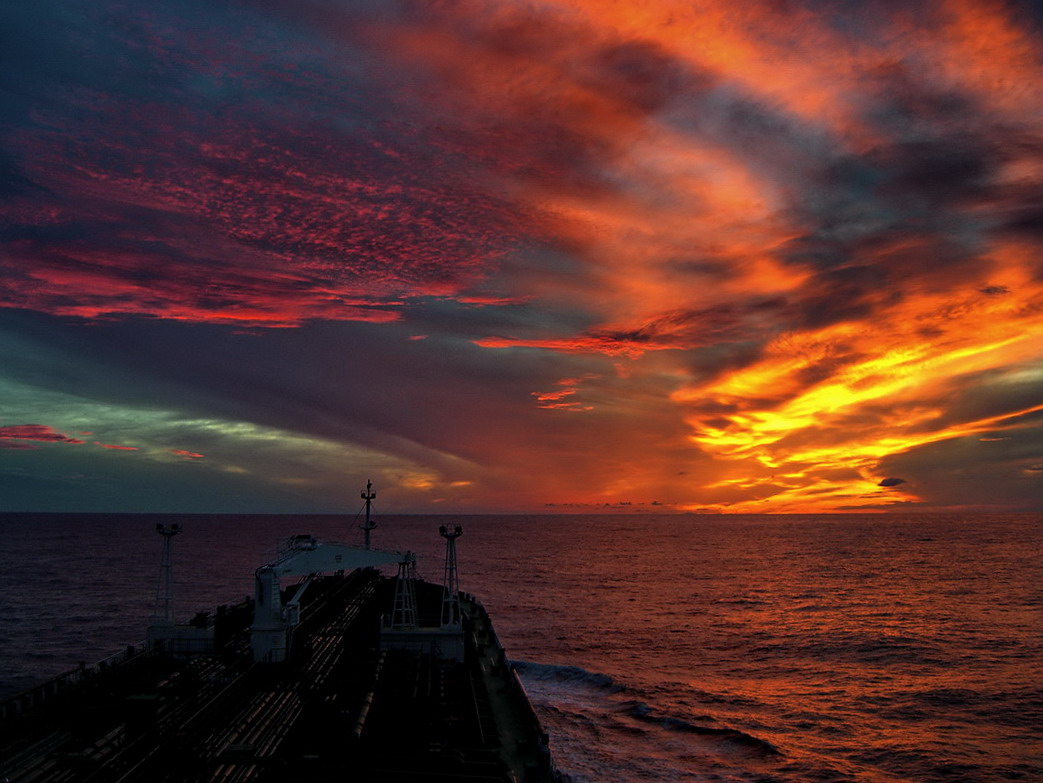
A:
(345, 675)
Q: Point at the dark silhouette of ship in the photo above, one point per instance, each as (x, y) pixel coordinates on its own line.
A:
(345, 675)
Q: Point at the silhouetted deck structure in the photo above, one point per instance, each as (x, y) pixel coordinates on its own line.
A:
(340, 709)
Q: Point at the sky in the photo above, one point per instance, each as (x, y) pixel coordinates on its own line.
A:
(563, 256)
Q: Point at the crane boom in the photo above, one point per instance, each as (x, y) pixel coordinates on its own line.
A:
(310, 556)
(303, 556)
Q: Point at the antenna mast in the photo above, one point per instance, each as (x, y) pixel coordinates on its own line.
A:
(368, 494)
(164, 611)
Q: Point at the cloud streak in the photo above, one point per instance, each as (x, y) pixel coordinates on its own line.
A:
(24, 436)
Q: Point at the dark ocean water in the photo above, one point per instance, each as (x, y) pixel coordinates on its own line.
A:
(738, 648)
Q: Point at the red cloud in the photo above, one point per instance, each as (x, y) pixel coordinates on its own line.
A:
(242, 225)
(119, 448)
(21, 436)
(607, 345)
(186, 454)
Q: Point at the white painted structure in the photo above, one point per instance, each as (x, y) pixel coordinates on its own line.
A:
(401, 631)
(190, 638)
(302, 556)
(404, 609)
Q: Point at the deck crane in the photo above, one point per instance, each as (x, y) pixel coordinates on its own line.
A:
(303, 555)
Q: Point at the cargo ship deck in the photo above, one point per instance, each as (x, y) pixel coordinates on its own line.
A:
(344, 705)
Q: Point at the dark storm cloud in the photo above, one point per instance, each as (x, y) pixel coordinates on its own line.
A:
(1027, 220)
(971, 473)
(917, 205)
(937, 171)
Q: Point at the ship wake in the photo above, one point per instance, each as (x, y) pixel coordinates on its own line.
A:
(595, 720)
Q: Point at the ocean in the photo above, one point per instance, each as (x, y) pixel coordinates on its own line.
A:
(775, 649)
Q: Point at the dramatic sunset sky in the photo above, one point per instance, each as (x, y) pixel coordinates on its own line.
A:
(506, 255)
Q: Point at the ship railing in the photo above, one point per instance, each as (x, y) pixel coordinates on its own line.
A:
(25, 700)
(530, 712)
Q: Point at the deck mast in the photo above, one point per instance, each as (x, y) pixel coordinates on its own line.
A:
(163, 614)
(451, 582)
(368, 494)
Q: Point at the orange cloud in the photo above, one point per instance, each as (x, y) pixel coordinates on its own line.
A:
(558, 399)
(910, 310)
(853, 393)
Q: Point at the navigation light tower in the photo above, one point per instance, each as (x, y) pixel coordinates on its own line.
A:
(451, 590)
(164, 611)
